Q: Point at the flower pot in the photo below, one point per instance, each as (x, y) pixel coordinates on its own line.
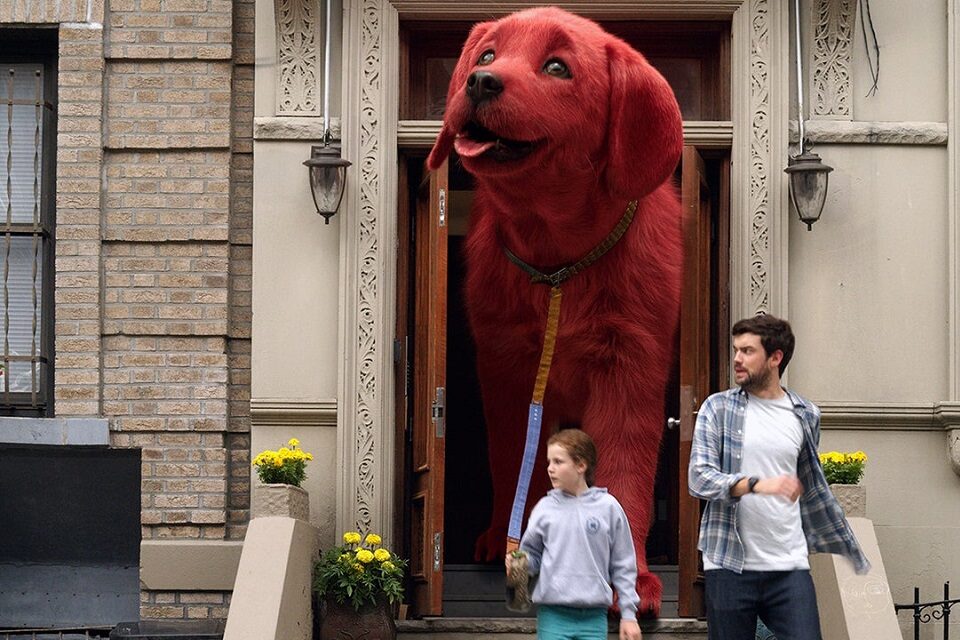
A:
(853, 499)
(342, 622)
(281, 500)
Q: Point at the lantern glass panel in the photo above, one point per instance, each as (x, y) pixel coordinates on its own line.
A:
(327, 186)
(808, 190)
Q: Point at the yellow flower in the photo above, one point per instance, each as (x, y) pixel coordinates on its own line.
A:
(388, 566)
(346, 556)
(373, 539)
(294, 442)
(358, 567)
(381, 554)
(365, 556)
(351, 537)
(308, 456)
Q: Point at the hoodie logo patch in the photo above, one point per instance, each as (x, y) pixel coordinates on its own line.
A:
(593, 524)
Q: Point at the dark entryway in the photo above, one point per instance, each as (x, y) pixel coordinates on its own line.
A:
(69, 537)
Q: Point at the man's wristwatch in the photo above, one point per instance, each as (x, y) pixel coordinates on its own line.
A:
(751, 483)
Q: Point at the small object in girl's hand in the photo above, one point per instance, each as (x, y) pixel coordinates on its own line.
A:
(518, 580)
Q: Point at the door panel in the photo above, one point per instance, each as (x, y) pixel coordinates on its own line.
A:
(429, 383)
(695, 365)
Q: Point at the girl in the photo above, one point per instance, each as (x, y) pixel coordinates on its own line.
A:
(578, 541)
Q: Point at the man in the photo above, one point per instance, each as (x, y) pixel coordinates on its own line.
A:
(754, 460)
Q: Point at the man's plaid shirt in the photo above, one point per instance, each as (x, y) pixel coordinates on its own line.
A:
(715, 468)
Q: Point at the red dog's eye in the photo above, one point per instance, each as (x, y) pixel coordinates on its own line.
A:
(557, 68)
(486, 57)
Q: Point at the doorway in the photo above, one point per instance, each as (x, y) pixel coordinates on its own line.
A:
(451, 459)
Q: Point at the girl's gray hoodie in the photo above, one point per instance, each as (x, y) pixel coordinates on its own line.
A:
(579, 545)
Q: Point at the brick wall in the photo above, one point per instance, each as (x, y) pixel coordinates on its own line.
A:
(153, 253)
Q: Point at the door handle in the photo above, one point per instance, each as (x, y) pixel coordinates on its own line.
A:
(673, 423)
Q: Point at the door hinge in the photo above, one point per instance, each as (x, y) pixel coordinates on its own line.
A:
(438, 409)
(437, 549)
(443, 207)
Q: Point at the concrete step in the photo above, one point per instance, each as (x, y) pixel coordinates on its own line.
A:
(526, 629)
(477, 591)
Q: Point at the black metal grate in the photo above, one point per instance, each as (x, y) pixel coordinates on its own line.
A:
(65, 633)
(924, 612)
(25, 246)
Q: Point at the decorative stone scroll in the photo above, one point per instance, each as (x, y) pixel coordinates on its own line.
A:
(298, 57)
(833, 22)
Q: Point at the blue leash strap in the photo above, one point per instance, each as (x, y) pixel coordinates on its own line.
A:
(534, 421)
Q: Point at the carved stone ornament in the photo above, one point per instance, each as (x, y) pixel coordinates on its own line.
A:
(760, 214)
(298, 43)
(833, 22)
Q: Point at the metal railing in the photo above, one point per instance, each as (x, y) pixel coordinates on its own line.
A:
(55, 633)
(924, 612)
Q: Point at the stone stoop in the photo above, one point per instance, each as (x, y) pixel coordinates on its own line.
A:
(526, 629)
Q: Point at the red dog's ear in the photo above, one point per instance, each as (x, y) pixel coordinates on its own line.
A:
(453, 122)
(645, 137)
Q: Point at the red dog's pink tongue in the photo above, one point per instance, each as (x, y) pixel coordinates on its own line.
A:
(470, 148)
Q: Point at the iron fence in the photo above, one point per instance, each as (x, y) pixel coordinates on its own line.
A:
(924, 612)
(56, 633)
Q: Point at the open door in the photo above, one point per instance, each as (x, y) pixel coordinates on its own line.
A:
(429, 391)
(695, 364)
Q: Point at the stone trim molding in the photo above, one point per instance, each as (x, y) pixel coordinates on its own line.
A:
(895, 133)
(189, 565)
(833, 22)
(608, 9)
(759, 77)
(298, 57)
(55, 431)
(293, 128)
(421, 134)
(890, 416)
(759, 211)
(365, 438)
(266, 412)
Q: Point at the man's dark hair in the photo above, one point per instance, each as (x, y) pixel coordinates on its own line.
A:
(775, 334)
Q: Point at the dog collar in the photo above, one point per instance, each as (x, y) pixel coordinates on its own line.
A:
(558, 277)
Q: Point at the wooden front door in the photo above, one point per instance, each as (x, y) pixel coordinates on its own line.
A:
(695, 362)
(429, 393)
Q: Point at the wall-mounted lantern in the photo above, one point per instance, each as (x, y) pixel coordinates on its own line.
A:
(328, 176)
(808, 175)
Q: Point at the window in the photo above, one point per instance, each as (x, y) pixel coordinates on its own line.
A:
(27, 182)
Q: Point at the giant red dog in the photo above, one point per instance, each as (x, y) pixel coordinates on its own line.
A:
(562, 125)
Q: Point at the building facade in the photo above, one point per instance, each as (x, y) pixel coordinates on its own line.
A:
(203, 311)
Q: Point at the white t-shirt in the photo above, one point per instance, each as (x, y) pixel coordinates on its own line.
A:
(769, 526)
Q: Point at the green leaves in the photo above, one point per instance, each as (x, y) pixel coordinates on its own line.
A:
(342, 575)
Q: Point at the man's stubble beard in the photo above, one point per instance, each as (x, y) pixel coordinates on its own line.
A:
(758, 382)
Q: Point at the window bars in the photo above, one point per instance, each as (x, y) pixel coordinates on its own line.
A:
(26, 237)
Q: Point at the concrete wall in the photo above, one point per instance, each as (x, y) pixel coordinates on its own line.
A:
(296, 274)
(869, 299)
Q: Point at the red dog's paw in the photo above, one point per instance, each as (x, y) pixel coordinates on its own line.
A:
(650, 590)
(491, 544)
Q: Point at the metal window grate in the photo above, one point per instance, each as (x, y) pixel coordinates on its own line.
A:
(26, 236)
(71, 633)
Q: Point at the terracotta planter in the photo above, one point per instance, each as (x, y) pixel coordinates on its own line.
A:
(341, 622)
(853, 499)
(281, 500)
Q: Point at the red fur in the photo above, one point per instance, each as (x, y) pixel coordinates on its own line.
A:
(609, 134)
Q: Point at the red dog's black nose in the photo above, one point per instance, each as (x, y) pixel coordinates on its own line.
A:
(482, 86)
